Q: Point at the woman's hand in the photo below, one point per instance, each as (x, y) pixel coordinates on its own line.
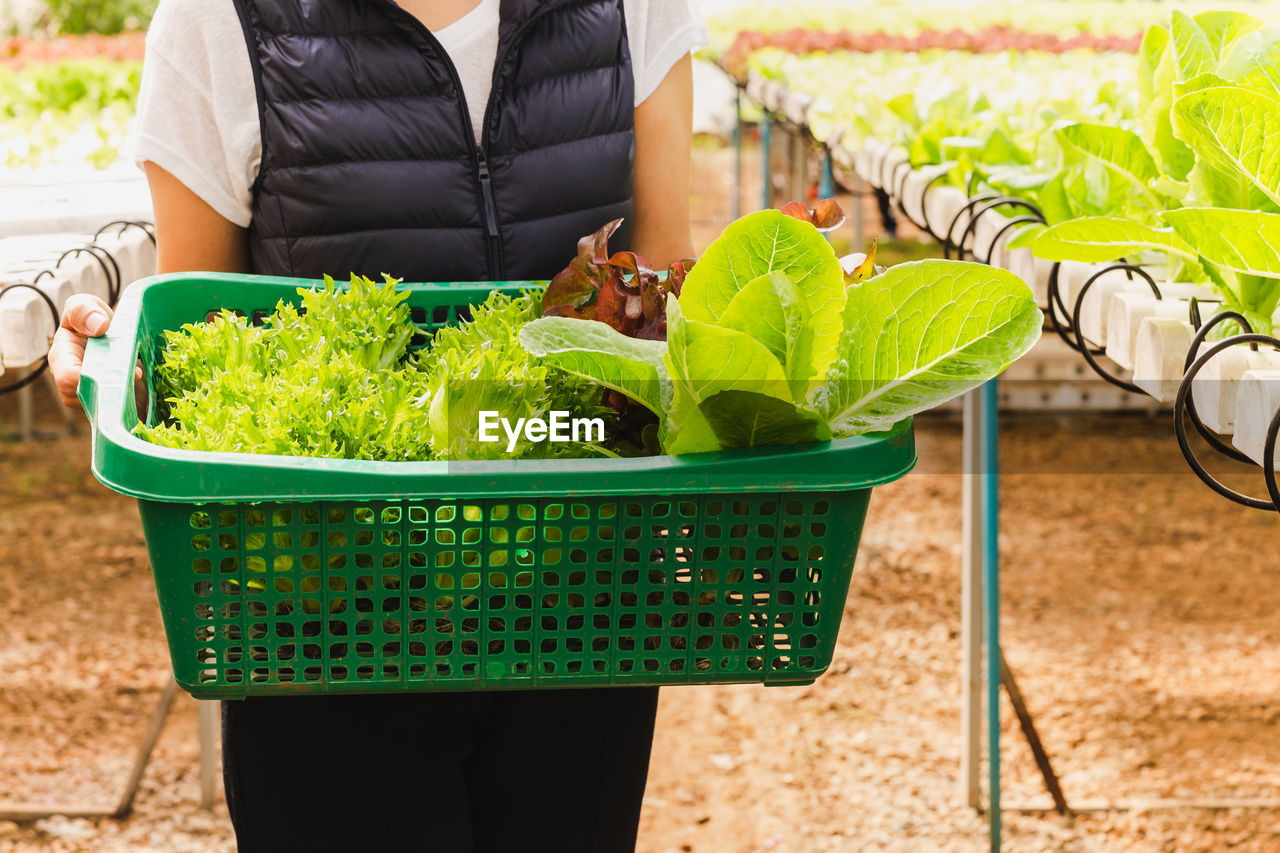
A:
(83, 317)
(191, 235)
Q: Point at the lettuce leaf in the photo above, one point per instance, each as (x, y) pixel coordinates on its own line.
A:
(621, 290)
(597, 352)
(1254, 60)
(1094, 239)
(745, 419)
(1234, 132)
(730, 391)
(338, 380)
(921, 334)
(1121, 152)
(332, 380)
(1192, 52)
(759, 244)
(1243, 245)
(735, 371)
(771, 310)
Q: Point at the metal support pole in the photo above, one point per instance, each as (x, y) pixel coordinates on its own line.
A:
(26, 408)
(1051, 781)
(67, 415)
(827, 184)
(209, 728)
(798, 183)
(32, 812)
(766, 162)
(991, 595)
(858, 220)
(735, 192)
(971, 607)
(827, 180)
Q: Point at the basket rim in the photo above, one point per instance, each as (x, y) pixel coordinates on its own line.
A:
(132, 466)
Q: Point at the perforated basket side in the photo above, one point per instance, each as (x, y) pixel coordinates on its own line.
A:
(434, 595)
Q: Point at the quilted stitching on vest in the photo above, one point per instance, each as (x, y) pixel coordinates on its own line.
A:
(369, 163)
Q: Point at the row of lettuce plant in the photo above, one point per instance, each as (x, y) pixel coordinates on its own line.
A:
(1199, 179)
(1176, 157)
(736, 60)
(76, 109)
(989, 114)
(1170, 161)
(1087, 19)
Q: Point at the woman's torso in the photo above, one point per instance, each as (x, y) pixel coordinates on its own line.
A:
(369, 163)
(200, 119)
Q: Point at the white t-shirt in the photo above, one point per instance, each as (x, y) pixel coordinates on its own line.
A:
(198, 107)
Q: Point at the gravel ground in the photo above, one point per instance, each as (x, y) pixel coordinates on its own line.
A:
(1145, 643)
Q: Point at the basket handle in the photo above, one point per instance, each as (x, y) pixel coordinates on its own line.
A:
(105, 374)
(106, 379)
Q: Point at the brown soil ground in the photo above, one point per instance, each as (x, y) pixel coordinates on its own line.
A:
(1139, 613)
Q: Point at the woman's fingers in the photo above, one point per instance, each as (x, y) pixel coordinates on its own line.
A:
(65, 357)
(86, 315)
(83, 317)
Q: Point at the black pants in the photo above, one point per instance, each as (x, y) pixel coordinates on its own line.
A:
(555, 770)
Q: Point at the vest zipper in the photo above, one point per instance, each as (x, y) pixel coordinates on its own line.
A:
(479, 161)
(479, 157)
(504, 50)
(490, 212)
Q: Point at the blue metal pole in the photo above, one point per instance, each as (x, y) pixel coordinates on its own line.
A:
(827, 182)
(991, 593)
(735, 202)
(766, 161)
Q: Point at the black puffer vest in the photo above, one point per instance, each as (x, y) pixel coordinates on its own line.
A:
(369, 160)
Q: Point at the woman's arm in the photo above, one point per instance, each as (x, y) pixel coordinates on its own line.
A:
(190, 235)
(664, 133)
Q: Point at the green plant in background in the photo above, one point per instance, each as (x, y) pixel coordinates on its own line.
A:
(990, 115)
(1110, 148)
(1206, 193)
(953, 98)
(62, 87)
(85, 106)
(105, 17)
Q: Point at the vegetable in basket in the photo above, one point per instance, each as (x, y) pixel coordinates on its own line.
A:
(768, 339)
(338, 378)
(768, 344)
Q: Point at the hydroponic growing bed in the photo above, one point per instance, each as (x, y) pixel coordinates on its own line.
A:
(1137, 196)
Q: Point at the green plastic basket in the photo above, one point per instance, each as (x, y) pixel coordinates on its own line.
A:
(283, 575)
